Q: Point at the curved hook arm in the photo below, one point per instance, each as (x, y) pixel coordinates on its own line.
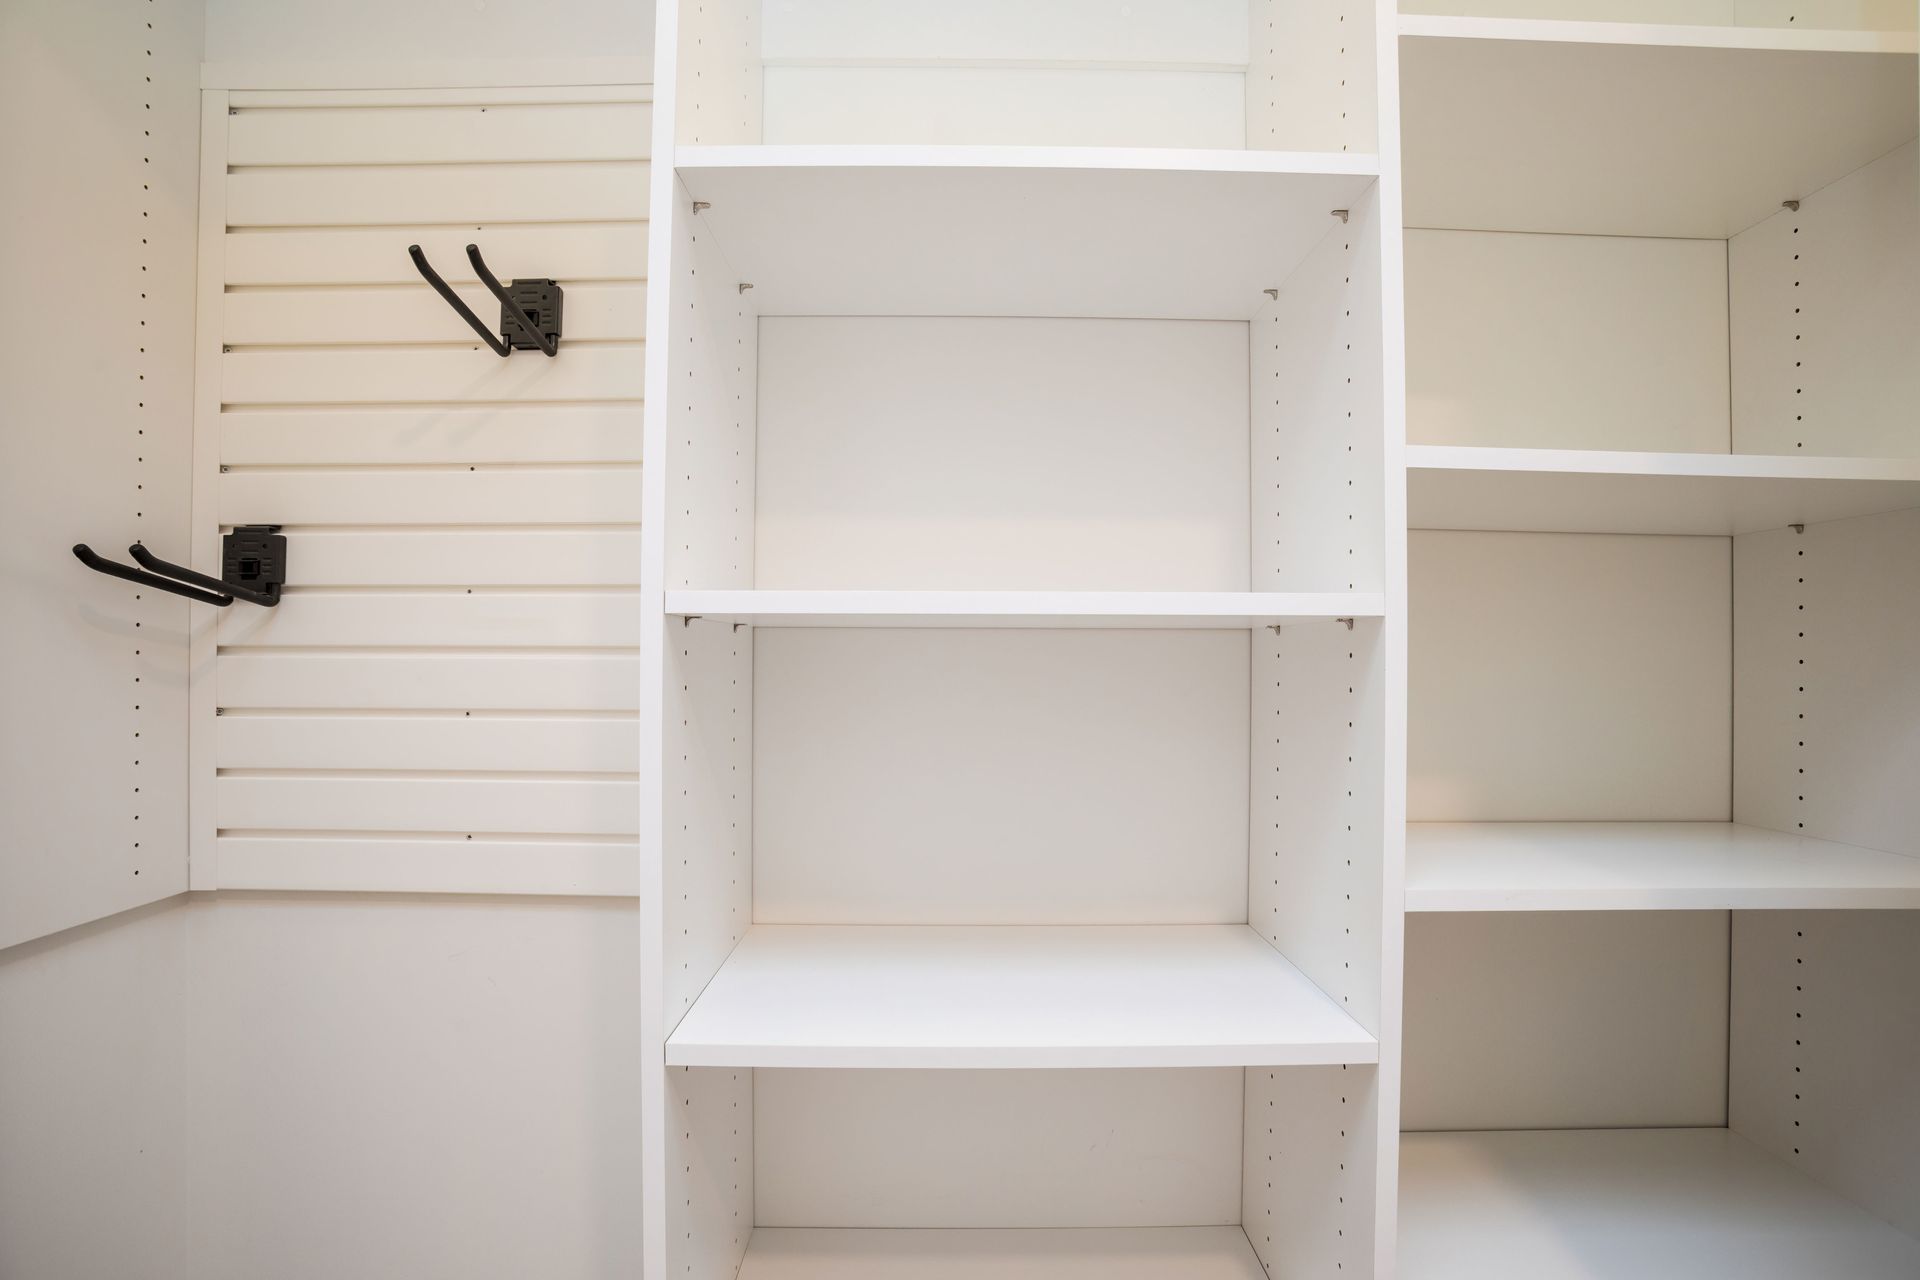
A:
(85, 555)
(547, 346)
(266, 599)
(454, 300)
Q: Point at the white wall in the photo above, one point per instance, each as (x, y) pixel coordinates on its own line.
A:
(306, 1086)
(93, 1074)
(380, 30)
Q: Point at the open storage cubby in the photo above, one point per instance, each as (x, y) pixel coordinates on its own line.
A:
(1028, 658)
(1263, 75)
(1663, 861)
(1686, 307)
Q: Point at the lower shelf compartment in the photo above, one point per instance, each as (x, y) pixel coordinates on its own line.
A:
(1122, 1253)
(1628, 1204)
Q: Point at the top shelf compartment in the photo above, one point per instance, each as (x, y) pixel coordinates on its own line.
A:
(1603, 128)
(1288, 75)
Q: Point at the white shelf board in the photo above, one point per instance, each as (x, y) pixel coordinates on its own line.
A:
(1017, 231)
(1105, 1253)
(1624, 129)
(1645, 866)
(1015, 996)
(1143, 609)
(1628, 1204)
(1605, 491)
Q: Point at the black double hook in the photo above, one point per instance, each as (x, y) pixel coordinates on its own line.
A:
(250, 554)
(517, 327)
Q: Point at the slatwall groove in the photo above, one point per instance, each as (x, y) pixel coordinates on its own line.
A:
(393, 195)
(441, 134)
(445, 698)
(580, 251)
(395, 314)
(446, 496)
(387, 376)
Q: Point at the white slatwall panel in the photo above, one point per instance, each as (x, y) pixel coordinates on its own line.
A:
(446, 699)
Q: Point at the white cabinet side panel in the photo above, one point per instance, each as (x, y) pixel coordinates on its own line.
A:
(979, 453)
(1314, 838)
(712, 412)
(1316, 359)
(473, 521)
(1569, 677)
(96, 355)
(1122, 1148)
(708, 885)
(1000, 776)
(1566, 1020)
(718, 67)
(1566, 342)
(1308, 1156)
(1828, 691)
(1310, 76)
(1826, 316)
(1825, 1034)
(710, 1170)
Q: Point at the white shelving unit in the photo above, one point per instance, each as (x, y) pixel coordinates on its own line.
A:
(1661, 865)
(1024, 637)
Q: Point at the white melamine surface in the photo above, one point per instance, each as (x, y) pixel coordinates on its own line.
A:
(1137, 1253)
(1581, 342)
(1675, 1204)
(1565, 1019)
(997, 1149)
(1071, 609)
(943, 776)
(1012, 996)
(1634, 866)
(1616, 129)
(1569, 677)
(1017, 231)
(1608, 491)
(978, 452)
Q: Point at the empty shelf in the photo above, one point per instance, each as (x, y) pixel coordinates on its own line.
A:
(1604, 491)
(1640, 866)
(1012, 996)
(1017, 231)
(1605, 128)
(1173, 609)
(1628, 1204)
(1114, 1253)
